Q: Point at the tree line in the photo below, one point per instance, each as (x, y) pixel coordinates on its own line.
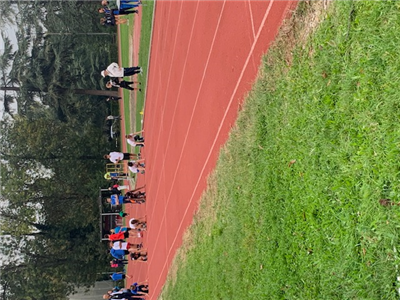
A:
(51, 147)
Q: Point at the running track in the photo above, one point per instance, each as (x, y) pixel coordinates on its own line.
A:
(204, 57)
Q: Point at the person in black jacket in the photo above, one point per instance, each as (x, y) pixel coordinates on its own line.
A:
(120, 83)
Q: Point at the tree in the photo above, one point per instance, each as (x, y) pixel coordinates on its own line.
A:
(51, 152)
(7, 15)
(5, 63)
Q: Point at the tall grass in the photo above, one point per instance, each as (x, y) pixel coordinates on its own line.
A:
(294, 210)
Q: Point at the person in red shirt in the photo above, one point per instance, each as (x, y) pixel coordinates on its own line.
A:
(117, 236)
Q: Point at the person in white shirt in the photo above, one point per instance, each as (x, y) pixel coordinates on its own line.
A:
(139, 224)
(124, 245)
(114, 70)
(136, 166)
(134, 139)
(116, 157)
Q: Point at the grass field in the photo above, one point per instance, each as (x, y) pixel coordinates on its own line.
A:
(145, 35)
(292, 210)
(126, 37)
(126, 40)
(134, 107)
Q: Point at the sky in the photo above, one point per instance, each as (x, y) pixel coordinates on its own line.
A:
(10, 31)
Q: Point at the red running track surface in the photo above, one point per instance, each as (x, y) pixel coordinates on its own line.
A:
(205, 56)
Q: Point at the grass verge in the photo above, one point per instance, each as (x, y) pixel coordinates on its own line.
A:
(126, 36)
(145, 36)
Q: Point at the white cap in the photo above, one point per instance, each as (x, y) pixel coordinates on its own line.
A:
(103, 74)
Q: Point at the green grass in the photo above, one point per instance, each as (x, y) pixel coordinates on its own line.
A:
(125, 38)
(314, 229)
(145, 35)
(134, 112)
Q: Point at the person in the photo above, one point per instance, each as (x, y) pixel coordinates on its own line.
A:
(118, 253)
(116, 82)
(140, 256)
(123, 214)
(136, 166)
(114, 70)
(115, 263)
(124, 246)
(122, 294)
(141, 288)
(138, 223)
(116, 12)
(117, 236)
(123, 4)
(138, 189)
(120, 199)
(137, 195)
(136, 198)
(119, 229)
(115, 176)
(115, 199)
(116, 157)
(116, 189)
(119, 276)
(112, 21)
(132, 232)
(133, 200)
(134, 139)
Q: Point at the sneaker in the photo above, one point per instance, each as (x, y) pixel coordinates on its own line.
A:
(141, 70)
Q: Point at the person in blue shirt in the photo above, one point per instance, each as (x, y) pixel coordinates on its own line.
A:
(141, 288)
(118, 253)
(123, 295)
(124, 4)
(115, 12)
(119, 229)
(119, 276)
(119, 199)
(115, 199)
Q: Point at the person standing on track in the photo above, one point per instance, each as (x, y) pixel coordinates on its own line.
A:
(116, 157)
(117, 82)
(134, 139)
(114, 70)
(136, 166)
